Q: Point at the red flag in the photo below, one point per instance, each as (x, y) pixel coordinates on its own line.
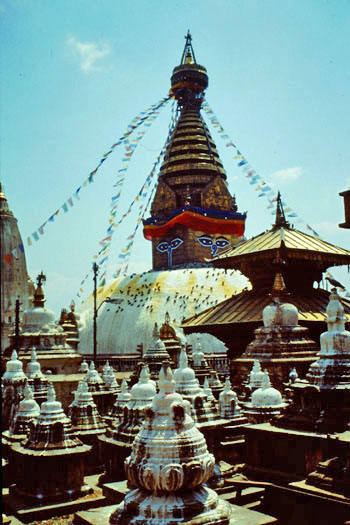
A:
(8, 258)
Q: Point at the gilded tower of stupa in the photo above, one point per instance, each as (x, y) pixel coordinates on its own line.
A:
(193, 214)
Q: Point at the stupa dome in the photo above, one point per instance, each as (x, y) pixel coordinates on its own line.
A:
(37, 317)
(144, 389)
(282, 314)
(266, 395)
(14, 370)
(28, 407)
(184, 374)
(138, 301)
(33, 367)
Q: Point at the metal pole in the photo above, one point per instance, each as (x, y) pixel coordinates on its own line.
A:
(95, 270)
(17, 326)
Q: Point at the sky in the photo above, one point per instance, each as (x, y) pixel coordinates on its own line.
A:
(76, 73)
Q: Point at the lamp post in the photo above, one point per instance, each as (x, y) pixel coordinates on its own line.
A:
(95, 270)
(18, 304)
(346, 196)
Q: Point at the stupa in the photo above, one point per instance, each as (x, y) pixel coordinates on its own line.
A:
(12, 386)
(119, 436)
(51, 442)
(168, 468)
(281, 343)
(266, 402)
(27, 412)
(122, 400)
(37, 380)
(172, 341)
(322, 400)
(228, 402)
(87, 424)
(155, 353)
(317, 420)
(40, 331)
(15, 281)
(193, 217)
(104, 395)
(70, 324)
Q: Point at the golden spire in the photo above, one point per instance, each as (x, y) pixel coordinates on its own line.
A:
(39, 297)
(280, 221)
(279, 286)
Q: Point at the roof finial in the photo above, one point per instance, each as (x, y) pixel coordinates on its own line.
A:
(188, 53)
(39, 297)
(279, 286)
(280, 221)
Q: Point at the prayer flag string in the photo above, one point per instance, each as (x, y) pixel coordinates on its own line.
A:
(261, 186)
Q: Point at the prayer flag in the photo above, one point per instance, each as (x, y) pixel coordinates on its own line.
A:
(35, 236)
(21, 247)
(65, 207)
(8, 259)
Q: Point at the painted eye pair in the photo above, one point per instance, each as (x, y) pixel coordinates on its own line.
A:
(215, 244)
(168, 247)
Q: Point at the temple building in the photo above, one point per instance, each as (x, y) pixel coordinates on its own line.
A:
(15, 281)
(301, 260)
(193, 218)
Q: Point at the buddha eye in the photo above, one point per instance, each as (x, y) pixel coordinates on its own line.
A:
(176, 242)
(221, 242)
(163, 246)
(205, 240)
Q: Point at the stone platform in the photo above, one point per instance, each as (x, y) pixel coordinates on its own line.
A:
(242, 516)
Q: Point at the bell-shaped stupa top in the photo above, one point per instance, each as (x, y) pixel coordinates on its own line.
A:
(83, 411)
(332, 367)
(93, 378)
(33, 367)
(122, 400)
(256, 376)
(266, 395)
(28, 411)
(198, 355)
(144, 389)
(228, 401)
(184, 376)
(279, 312)
(37, 317)
(14, 370)
(207, 390)
(84, 367)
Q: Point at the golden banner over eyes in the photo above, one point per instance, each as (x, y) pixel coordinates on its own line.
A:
(197, 222)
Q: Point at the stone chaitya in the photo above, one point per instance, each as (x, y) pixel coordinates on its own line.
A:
(281, 343)
(155, 354)
(12, 388)
(119, 436)
(27, 412)
(168, 467)
(70, 324)
(266, 402)
(172, 342)
(39, 331)
(37, 380)
(51, 442)
(87, 424)
(104, 393)
(122, 400)
(322, 400)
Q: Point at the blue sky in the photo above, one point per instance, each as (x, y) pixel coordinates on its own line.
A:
(76, 73)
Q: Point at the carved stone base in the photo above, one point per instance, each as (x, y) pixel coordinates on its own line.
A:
(201, 506)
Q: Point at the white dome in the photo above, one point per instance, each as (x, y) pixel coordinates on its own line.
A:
(266, 396)
(280, 314)
(143, 299)
(37, 316)
(14, 369)
(144, 388)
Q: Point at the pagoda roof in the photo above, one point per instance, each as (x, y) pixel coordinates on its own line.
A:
(247, 307)
(294, 241)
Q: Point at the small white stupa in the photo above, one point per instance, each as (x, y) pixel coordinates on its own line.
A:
(228, 402)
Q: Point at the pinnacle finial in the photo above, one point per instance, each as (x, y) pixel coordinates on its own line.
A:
(279, 286)
(266, 381)
(33, 354)
(39, 297)
(124, 387)
(51, 394)
(183, 360)
(14, 356)
(28, 392)
(188, 53)
(280, 220)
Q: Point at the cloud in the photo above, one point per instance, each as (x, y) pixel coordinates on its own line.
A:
(88, 53)
(286, 175)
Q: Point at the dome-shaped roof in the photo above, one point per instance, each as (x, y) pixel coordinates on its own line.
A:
(33, 367)
(14, 369)
(28, 406)
(266, 396)
(256, 376)
(37, 317)
(280, 314)
(144, 389)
